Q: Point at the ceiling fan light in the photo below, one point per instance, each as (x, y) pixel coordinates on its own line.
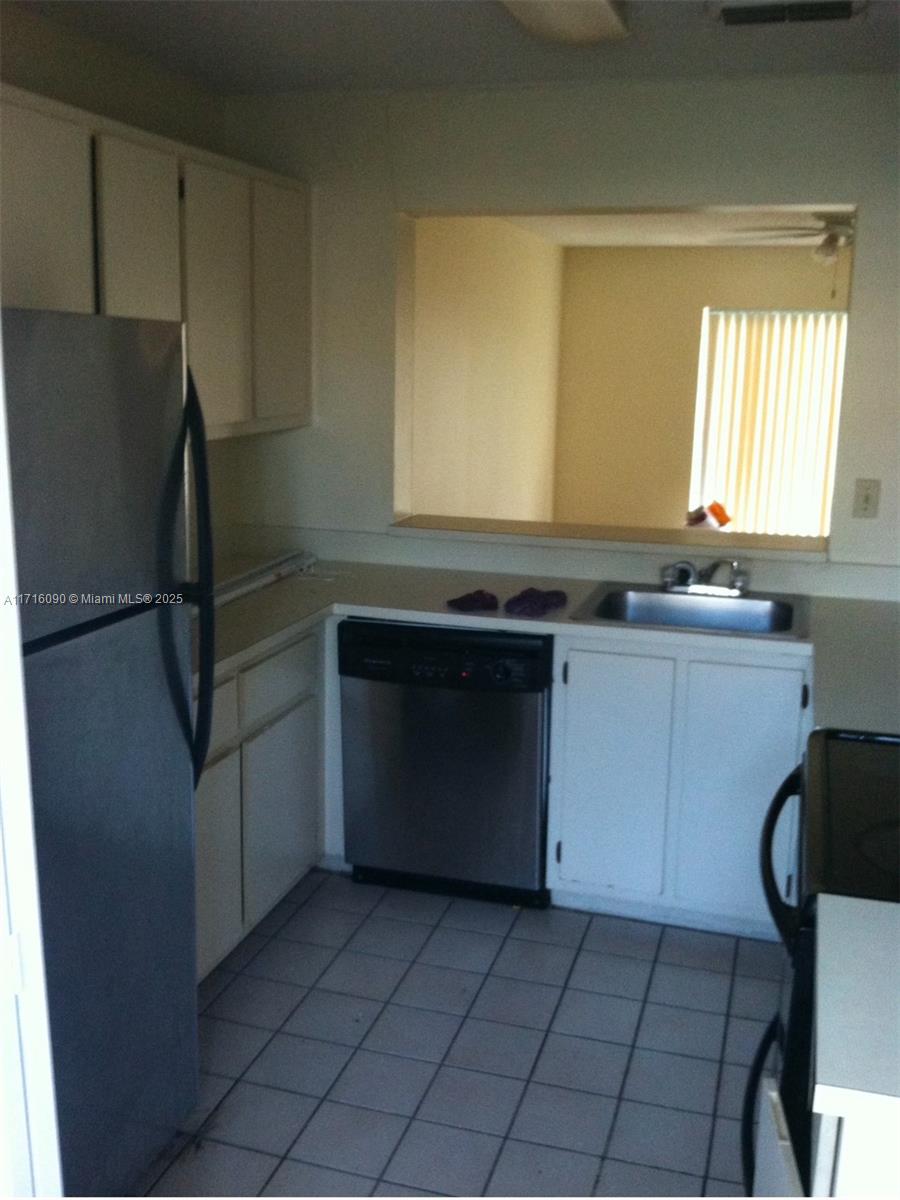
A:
(577, 22)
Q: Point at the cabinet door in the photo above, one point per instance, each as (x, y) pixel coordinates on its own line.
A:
(46, 234)
(742, 737)
(280, 768)
(218, 290)
(618, 724)
(138, 230)
(218, 842)
(281, 317)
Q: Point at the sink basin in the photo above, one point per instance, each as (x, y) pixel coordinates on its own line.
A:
(641, 604)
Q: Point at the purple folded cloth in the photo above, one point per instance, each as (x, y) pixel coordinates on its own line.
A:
(532, 602)
(480, 601)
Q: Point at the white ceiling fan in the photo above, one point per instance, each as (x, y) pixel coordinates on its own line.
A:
(831, 234)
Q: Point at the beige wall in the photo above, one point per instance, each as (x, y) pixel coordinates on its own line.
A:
(659, 144)
(53, 60)
(856, 681)
(627, 143)
(486, 337)
(628, 365)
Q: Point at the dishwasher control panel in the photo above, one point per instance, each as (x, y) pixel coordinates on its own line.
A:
(434, 656)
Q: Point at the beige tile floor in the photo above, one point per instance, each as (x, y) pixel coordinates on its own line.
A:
(371, 1041)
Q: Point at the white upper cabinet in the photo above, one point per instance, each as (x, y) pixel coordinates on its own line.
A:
(138, 230)
(93, 220)
(217, 290)
(281, 318)
(46, 236)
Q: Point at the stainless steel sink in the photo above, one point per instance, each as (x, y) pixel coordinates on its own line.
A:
(695, 608)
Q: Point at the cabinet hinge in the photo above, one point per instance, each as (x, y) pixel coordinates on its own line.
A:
(565, 673)
(804, 696)
(181, 187)
(559, 851)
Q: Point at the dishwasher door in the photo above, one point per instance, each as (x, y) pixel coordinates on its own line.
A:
(445, 783)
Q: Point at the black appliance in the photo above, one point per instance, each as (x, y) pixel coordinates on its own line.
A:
(445, 757)
(99, 417)
(849, 845)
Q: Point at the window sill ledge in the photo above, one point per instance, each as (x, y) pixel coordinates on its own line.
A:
(618, 537)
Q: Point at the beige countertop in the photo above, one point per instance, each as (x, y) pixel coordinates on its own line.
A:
(857, 642)
(857, 981)
(260, 615)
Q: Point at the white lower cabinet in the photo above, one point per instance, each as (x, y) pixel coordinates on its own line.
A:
(665, 753)
(616, 774)
(280, 808)
(742, 736)
(257, 805)
(220, 919)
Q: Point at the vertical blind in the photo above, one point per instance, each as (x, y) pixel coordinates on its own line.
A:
(765, 429)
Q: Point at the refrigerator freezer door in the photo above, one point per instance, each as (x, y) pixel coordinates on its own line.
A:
(94, 407)
(113, 806)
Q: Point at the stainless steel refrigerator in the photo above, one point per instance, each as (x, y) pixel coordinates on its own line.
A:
(98, 430)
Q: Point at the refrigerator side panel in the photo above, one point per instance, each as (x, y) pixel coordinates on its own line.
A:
(113, 801)
(95, 410)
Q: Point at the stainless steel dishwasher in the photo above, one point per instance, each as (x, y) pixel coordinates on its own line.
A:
(445, 757)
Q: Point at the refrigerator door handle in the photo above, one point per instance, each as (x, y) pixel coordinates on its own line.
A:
(203, 589)
(786, 916)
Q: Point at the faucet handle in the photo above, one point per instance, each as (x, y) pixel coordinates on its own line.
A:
(679, 574)
(740, 576)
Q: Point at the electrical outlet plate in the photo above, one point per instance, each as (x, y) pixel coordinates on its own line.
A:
(866, 496)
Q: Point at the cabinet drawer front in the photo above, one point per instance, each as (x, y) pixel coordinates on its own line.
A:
(218, 879)
(280, 807)
(224, 717)
(274, 683)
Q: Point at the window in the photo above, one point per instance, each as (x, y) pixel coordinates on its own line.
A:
(765, 426)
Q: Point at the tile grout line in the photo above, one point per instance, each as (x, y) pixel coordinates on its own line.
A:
(488, 973)
(546, 1033)
(709, 1149)
(195, 1136)
(703, 1012)
(321, 1099)
(631, 1049)
(504, 938)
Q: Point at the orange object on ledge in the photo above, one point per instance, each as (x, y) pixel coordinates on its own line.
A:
(712, 515)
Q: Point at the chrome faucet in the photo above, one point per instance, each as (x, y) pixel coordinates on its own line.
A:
(738, 579)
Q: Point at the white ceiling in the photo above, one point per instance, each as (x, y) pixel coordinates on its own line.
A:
(688, 227)
(265, 46)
